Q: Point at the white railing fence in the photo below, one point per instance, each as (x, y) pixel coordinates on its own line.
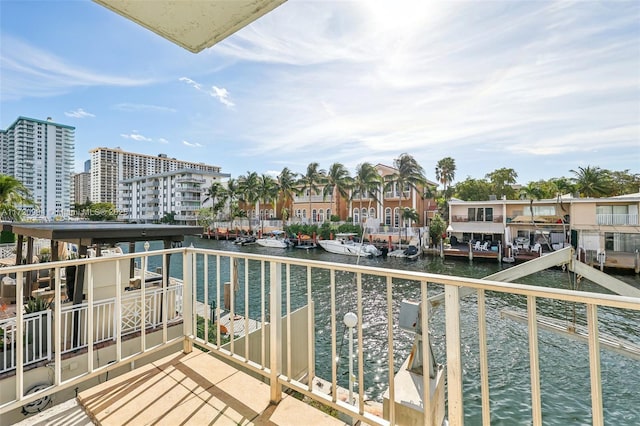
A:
(293, 309)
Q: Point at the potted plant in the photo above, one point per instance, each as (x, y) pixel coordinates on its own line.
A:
(41, 324)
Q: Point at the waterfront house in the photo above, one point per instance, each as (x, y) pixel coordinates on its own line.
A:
(594, 225)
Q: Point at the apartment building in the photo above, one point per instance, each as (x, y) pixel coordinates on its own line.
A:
(593, 225)
(81, 187)
(110, 166)
(311, 206)
(40, 154)
(180, 192)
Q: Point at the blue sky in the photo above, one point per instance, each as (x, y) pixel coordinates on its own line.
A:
(540, 87)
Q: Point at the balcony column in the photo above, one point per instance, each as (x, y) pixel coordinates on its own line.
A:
(188, 285)
(275, 331)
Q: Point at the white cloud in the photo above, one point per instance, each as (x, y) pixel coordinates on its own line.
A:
(28, 71)
(136, 137)
(128, 107)
(220, 93)
(163, 140)
(191, 145)
(79, 113)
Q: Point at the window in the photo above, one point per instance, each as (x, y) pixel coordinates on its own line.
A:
(314, 215)
(372, 212)
(328, 214)
(396, 216)
(471, 214)
(364, 214)
(321, 216)
(387, 216)
(356, 215)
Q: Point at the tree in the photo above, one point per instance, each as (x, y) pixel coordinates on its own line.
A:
(102, 212)
(591, 181)
(501, 181)
(533, 191)
(446, 172)
(366, 183)
(169, 218)
(232, 194)
(287, 188)
(410, 215)
(215, 193)
(267, 193)
(337, 180)
(310, 182)
(437, 227)
(624, 182)
(473, 189)
(248, 189)
(13, 194)
(408, 175)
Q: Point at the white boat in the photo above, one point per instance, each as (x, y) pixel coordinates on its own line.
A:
(274, 239)
(412, 252)
(343, 244)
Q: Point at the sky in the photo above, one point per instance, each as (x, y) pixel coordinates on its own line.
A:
(540, 87)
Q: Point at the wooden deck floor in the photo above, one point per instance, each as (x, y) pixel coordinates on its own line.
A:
(193, 389)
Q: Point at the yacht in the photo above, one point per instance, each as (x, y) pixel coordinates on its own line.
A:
(275, 239)
(344, 244)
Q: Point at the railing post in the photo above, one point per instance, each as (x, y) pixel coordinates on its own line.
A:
(454, 359)
(187, 308)
(275, 332)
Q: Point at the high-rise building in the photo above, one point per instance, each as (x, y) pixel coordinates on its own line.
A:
(82, 187)
(40, 154)
(181, 193)
(110, 166)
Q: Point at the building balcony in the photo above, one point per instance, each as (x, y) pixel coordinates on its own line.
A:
(617, 219)
(285, 326)
(189, 180)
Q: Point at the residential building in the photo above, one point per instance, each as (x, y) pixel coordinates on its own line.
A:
(361, 207)
(81, 187)
(110, 166)
(40, 154)
(593, 225)
(180, 192)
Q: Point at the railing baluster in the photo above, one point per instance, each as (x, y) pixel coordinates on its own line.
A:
(118, 311)
(275, 339)
(426, 355)
(484, 361)
(334, 356)
(310, 333)
(288, 294)
(594, 365)
(218, 301)
(361, 385)
(232, 310)
(246, 310)
(263, 317)
(532, 320)
(454, 359)
(392, 387)
(90, 318)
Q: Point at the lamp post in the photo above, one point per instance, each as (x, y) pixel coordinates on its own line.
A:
(350, 320)
(146, 261)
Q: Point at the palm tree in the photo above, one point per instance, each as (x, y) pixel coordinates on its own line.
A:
(267, 192)
(215, 193)
(13, 193)
(337, 180)
(446, 172)
(287, 188)
(591, 181)
(249, 188)
(366, 183)
(533, 191)
(408, 174)
(409, 214)
(310, 182)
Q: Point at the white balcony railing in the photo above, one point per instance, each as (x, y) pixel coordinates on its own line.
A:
(616, 219)
(303, 303)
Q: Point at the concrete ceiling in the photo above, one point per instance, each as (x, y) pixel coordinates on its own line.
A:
(192, 24)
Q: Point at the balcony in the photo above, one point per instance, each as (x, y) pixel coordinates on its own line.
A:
(617, 219)
(285, 319)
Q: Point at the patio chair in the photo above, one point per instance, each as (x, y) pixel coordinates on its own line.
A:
(485, 246)
(477, 246)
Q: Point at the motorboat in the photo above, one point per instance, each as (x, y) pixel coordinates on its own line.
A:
(245, 240)
(344, 244)
(274, 239)
(412, 252)
(305, 242)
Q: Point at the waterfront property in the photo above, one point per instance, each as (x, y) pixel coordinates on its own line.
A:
(293, 309)
(605, 230)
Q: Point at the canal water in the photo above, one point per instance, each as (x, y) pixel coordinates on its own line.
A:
(564, 363)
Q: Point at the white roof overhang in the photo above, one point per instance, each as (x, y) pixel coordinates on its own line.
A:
(192, 24)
